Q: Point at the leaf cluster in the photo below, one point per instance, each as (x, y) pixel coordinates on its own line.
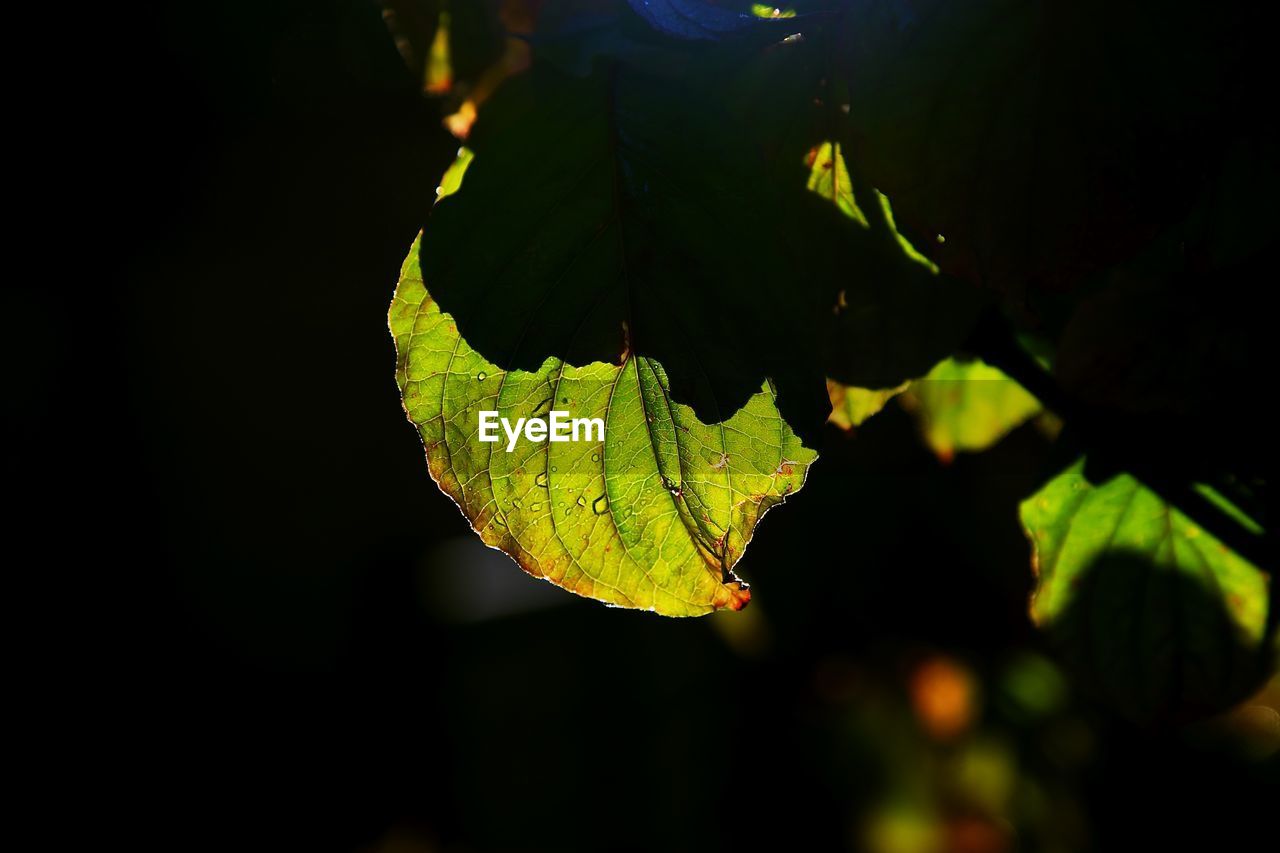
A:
(983, 209)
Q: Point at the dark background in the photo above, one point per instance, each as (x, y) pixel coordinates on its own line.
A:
(317, 654)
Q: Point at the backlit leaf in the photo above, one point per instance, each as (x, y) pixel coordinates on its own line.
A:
(1158, 613)
(654, 517)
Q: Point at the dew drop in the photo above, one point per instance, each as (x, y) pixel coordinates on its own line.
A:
(500, 520)
(482, 376)
(582, 501)
(595, 457)
(600, 505)
(516, 503)
(535, 507)
(567, 510)
(541, 479)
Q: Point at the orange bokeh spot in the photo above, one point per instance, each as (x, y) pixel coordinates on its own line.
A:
(459, 123)
(943, 694)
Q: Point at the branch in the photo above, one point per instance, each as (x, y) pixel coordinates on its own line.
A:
(995, 344)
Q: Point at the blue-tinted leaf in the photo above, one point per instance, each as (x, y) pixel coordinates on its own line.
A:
(694, 19)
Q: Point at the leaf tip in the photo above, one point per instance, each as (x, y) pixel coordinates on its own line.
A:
(732, 595)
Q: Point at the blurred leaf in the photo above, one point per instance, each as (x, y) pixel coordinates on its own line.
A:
(967, 406)
(654, 517)
(851, 406)
(1160, 616)
(986, 771)
(766, 10)
(438, 74)
(960, 405)
(1034, 685)
(901, 827)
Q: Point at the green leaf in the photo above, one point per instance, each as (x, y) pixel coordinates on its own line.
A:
(967, 406)
(654, 517)
(1160, 616)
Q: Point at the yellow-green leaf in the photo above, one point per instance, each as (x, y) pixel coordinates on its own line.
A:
(654, 517)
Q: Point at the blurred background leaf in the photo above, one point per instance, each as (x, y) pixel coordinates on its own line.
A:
(967, 406)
